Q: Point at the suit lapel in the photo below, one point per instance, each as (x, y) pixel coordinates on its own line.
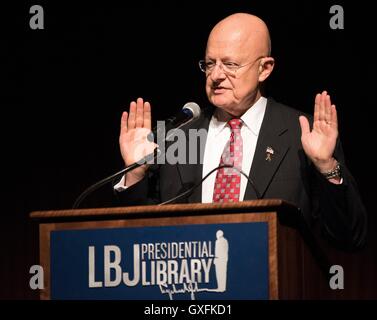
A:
(272, 146)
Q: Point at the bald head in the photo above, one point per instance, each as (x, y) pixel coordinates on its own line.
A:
(238, 61)
(243, 29)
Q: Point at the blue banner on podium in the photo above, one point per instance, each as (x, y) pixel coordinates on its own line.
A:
(201, 262)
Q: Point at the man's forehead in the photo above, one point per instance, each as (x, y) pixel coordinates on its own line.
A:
(227, 49)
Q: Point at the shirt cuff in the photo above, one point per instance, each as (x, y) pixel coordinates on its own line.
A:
(120, 185)
(340, 182)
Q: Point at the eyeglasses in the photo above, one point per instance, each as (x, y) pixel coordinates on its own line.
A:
(229, 68)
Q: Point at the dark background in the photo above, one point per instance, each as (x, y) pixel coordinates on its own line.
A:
(65, 87)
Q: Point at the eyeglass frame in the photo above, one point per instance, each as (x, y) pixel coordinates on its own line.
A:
(225, 68)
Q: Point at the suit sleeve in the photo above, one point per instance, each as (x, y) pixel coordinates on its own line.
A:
(145, 192)
(340, 208)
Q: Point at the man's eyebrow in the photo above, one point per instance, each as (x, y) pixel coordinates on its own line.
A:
(225, 58)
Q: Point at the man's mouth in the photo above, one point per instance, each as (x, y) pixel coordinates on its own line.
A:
(218, 90)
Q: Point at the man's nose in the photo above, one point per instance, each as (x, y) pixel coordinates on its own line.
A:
(217, 72)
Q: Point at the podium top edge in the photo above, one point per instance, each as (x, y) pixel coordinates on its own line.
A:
(251, 206)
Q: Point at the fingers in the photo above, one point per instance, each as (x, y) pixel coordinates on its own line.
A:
(324, 111)
(147, 116)
(123, 122)
(334, 116)
(328, 109)
(132, 116)
(322, 106)
(304, 123)
(139, 115)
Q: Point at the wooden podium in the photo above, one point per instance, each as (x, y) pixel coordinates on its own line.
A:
(269, 253)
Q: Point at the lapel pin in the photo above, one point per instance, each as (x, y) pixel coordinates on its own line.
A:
(269, 153)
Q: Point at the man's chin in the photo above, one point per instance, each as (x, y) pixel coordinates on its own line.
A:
(220, 102)
(223, 106)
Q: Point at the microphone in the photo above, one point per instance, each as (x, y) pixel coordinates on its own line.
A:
(190, 112)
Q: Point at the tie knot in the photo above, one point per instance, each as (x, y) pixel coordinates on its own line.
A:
(235, 124)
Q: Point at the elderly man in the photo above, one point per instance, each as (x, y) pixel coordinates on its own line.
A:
(283, 154)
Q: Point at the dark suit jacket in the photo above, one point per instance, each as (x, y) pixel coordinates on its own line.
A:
(289, 175)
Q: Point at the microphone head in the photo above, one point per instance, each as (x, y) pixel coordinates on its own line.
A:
(194, 108)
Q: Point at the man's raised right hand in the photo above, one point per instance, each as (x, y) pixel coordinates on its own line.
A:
(134, 145)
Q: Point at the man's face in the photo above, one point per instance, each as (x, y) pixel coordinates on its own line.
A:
(235, 91)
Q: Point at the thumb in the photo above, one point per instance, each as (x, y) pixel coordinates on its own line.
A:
(304, 123)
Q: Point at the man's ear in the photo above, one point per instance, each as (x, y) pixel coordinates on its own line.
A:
(265, 68)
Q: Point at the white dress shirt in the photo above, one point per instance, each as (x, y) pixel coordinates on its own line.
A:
(218, 136)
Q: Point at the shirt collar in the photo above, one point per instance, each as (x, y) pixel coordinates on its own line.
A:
(252, 118)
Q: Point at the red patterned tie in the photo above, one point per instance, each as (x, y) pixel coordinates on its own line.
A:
(228, 181)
